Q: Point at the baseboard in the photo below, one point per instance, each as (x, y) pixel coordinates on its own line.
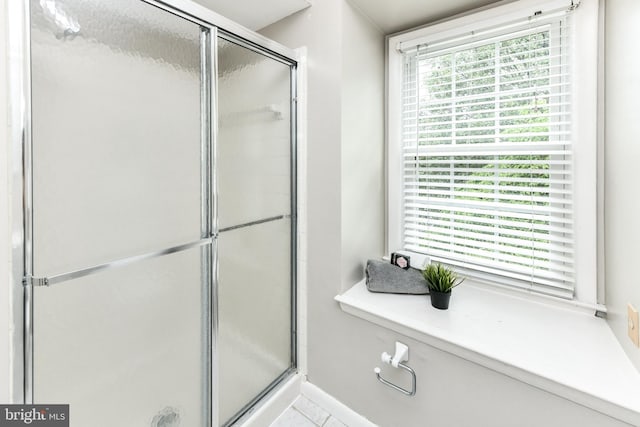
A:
(274, 405)
(336, 408)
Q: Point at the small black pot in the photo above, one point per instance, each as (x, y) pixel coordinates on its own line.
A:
(440, 300)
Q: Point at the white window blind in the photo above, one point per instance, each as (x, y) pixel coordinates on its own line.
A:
(487, 154)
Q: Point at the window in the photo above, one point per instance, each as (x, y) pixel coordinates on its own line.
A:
(485, 147)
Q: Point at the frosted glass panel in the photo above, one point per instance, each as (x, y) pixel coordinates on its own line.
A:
(253, 145)
(124, 346)
(254, 291)
(116, 131)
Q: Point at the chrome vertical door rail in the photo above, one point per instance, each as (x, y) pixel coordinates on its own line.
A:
(206, 220)
(21, 300)
(215, 389)
(294, 213)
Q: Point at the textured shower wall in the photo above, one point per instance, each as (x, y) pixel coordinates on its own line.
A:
(117, 155)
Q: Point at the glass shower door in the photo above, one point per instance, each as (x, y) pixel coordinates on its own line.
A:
(119, 202)
(256, 251)
(125, 243)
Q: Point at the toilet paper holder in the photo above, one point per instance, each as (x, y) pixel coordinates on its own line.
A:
(401, 355)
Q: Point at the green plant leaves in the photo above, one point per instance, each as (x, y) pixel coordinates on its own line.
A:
(440, 278)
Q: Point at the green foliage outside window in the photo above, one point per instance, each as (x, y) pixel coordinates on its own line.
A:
(494, 93)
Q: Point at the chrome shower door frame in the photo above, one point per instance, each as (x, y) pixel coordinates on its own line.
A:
(20, 148)
(19, 109)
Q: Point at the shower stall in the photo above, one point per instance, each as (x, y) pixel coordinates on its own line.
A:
(158, 230)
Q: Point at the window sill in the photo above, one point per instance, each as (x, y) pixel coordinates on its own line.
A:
(559, 350)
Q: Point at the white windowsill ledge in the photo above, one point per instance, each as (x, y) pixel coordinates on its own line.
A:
(563, 351)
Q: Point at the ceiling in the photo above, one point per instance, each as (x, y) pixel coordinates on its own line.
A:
(255, 14)
(397, 15)
(389, 15)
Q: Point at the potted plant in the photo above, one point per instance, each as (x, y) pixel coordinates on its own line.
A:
(440, 280)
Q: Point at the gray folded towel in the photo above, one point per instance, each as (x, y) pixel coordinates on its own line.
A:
(386, 277)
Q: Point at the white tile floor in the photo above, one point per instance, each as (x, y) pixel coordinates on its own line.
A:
(305, 413)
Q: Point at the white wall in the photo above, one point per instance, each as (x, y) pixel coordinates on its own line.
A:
(345, 96)
(451, 392)
(622, 153)
(362, 144)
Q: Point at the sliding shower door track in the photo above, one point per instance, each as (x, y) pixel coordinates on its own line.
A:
(52, 280)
